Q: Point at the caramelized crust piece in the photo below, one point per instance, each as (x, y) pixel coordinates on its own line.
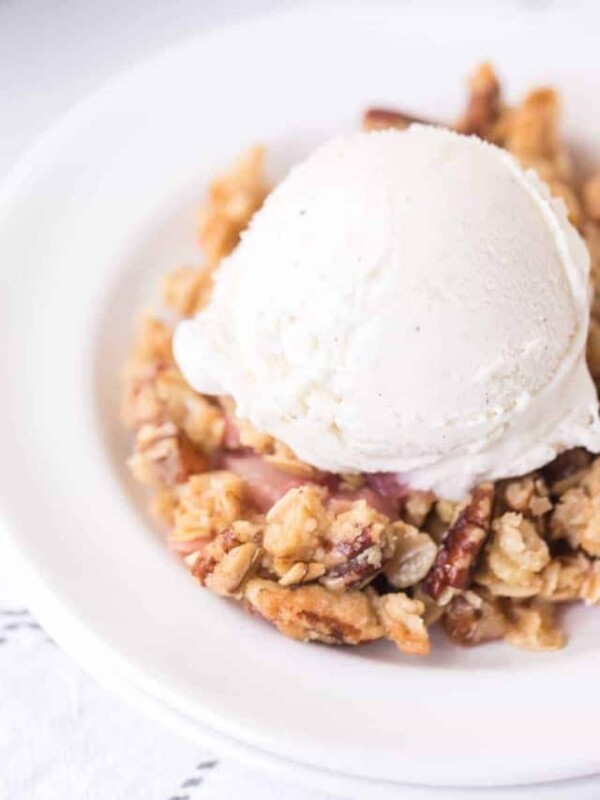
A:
(314, 614)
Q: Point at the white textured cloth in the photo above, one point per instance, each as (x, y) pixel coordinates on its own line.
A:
(63, 736)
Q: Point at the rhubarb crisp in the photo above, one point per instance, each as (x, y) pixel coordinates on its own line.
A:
(351, 558)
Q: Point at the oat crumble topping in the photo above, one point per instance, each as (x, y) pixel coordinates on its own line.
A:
(345, 559)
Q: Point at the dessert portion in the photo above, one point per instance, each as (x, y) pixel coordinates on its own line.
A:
(341, 473)
(410, 302)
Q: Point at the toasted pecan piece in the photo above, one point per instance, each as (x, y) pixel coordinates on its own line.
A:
(533, 135)
(483, 106)
(416, 507)
(474, 617)
(456, 559)
(362, 560)
(360, 542)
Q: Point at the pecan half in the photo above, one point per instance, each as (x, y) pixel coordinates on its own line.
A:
(455, 562)
(361, 559)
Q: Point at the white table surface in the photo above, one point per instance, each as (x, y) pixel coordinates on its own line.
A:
(62, 736)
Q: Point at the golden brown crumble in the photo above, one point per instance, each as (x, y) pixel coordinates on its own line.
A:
(225, 564)
(207, 505)
(314, 614)
(156, 392)
(232, 201)
(325, 557)
(186, 289)
(533, 626)
(297, 524)
(576, 517)
(417, 507)
(590, 195)
(402, 620)
(513, 558)
(590, 588)
(164, 456)
(566, 578)
(528, 496)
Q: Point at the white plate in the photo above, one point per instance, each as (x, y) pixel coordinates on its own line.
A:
(92, 656)
(89, 219)
(335, 784)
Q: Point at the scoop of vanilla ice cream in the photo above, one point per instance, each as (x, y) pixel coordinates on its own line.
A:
(410, 302)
